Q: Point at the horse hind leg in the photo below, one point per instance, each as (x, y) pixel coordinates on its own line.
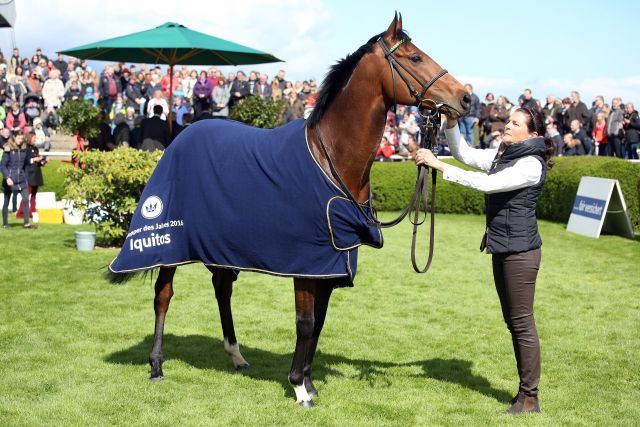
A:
(305, 301)
(322, 296)
(164, 292)
(223, 285)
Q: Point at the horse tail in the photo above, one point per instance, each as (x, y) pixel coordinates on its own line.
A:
(122, 278)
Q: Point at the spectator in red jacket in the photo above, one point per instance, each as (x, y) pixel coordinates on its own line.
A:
(385, 151)
(599, 134)
(15, 118)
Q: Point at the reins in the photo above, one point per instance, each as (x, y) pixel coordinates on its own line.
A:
(429, 129)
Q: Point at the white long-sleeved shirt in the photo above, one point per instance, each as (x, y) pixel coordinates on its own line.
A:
(525, 172)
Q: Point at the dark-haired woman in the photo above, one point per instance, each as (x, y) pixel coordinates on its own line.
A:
(516, 174)
(34, 168)
(14, 163)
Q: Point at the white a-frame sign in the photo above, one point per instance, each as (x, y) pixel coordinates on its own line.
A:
(599, 206)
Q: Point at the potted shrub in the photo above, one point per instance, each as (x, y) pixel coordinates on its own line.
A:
(80, 118)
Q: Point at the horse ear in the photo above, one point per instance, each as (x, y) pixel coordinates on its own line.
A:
(393, 27)
(399, 27)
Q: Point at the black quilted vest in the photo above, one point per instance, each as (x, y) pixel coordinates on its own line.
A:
(511, 215)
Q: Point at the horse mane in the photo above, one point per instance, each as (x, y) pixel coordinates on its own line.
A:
(339, 75)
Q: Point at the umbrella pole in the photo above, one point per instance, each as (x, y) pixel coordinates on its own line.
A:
(171, 98)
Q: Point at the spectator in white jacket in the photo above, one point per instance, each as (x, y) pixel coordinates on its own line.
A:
(53, 90)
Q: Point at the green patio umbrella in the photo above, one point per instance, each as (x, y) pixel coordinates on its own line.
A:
(171, 44)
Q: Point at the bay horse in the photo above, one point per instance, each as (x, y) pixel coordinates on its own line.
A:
(350, 112)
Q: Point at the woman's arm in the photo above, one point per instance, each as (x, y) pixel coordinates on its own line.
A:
(480, 159)
(524, 173)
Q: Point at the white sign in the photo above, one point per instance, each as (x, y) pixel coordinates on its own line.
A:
(599, 206)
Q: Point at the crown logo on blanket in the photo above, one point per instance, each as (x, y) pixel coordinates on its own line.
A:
(152, 207)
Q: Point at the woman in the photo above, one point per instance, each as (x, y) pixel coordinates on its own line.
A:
(220, 98)
(34, 84)
(85, 81)
(16, 119)
(407, 127)
(16, 91)
(498, 114)
(20, 76)
(158, 99)
(188, 83)
(34, 169)
(26, 65)
(276, 92)
(202, 94)
(293, 108)
(599, 134)
(516, 174)
(631, 126)
(14, 162)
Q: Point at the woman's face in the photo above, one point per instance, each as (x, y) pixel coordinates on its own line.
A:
(516, 129)
(19, 139)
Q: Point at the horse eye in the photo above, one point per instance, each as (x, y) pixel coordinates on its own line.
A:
(415, 58)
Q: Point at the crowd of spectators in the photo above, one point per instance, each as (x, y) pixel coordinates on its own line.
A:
(601, 129)
(135, 103)
(33, 88)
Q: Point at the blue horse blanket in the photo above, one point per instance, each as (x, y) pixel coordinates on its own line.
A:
(247, 199)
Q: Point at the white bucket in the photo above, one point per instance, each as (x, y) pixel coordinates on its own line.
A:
(85, 240)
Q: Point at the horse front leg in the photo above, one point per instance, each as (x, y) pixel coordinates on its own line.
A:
(223, 285)
(305, 306)
(164, 292)
(323, 294)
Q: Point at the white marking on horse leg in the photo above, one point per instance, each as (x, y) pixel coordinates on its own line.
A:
(233, 350)
(301, 393)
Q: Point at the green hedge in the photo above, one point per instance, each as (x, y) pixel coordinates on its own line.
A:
(393, 183)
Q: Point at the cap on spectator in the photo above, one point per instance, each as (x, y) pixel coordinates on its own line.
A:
(37, 121)
(1, 125)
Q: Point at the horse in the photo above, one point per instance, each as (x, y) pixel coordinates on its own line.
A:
(342, 134)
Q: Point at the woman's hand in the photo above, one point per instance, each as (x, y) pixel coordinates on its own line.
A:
(451, 123)
(9, 182)
(426, 157)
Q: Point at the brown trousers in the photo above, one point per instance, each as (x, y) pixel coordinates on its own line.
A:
(515, 278)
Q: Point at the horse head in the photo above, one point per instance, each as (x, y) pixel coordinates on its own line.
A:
(413, 78)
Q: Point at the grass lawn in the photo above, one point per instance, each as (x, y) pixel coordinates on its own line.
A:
(398, 349)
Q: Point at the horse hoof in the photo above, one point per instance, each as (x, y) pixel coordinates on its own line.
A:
(156, 378)
(244, 367)
(306, 404)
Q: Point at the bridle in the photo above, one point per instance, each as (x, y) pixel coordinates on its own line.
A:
(429, 129)
(394, 64)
